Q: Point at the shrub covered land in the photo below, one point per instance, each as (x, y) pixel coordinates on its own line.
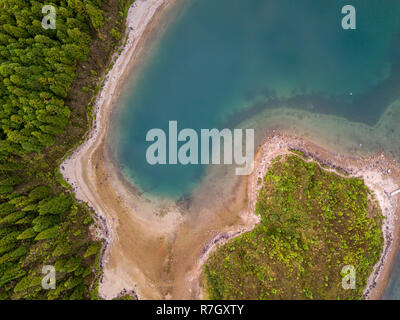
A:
(48, 79)
(313, 223)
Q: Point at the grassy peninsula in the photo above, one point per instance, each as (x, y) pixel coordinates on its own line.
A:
(313, 223)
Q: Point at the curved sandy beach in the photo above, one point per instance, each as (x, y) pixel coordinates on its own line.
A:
(157, 247)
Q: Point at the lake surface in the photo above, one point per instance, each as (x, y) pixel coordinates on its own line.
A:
(220, 62)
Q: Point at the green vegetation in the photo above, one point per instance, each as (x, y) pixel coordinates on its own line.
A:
(48, 79)
(313, 223)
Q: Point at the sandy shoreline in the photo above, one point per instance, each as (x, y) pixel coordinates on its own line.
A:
(76, 168)
(157, 249)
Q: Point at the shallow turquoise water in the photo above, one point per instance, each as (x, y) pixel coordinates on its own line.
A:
(221, 61)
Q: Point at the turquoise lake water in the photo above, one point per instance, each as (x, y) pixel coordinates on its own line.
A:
(221, 61)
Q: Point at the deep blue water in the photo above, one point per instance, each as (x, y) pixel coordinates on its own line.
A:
(220, 61)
